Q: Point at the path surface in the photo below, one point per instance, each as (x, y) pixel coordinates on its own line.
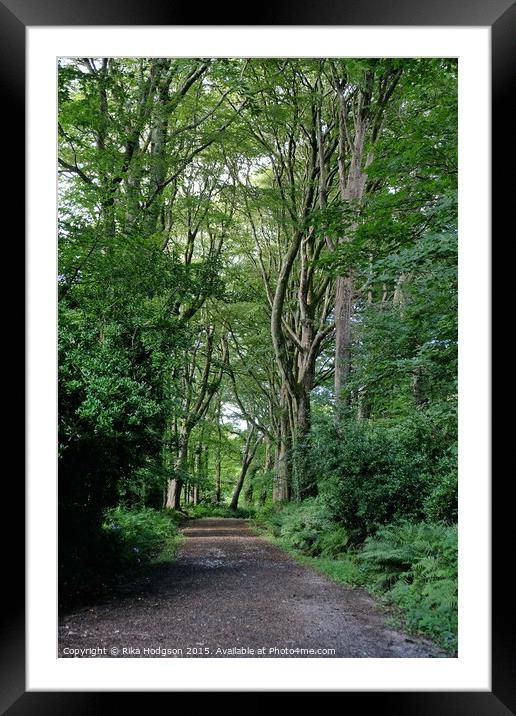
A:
(229, 592)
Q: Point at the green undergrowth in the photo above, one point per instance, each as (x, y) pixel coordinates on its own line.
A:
(411, 566)
(142, 537)
(209, 510)
(415, 567)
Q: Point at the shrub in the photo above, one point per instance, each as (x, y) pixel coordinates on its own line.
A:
(415, 565)
(374, 480)
(441, 505)
(332, 542)
(372, 474)
(270, 518)
(306, 527)
(303, 523)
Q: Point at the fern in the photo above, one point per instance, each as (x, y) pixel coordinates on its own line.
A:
(415, 566)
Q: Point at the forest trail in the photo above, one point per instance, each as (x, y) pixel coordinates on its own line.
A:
(228, 592)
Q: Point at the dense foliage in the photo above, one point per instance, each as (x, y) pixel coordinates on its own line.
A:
(140, 537)
(415, 565)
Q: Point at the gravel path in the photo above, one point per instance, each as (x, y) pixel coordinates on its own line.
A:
(233, 594)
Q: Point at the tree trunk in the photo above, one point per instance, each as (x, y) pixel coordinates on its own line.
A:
(282, 468)
(174, 495)
(158, 151)
(218, 458)
(343, 311)
(351, 186)
(108, 189)
(174, 488)
(268, 466)
(363, 404)
(249, 493)
(398, 298)
(303, 413)
(198, 472)
(218, 473)
(247, 458)
(282, 491)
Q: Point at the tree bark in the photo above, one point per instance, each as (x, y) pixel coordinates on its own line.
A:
(367, 119)
(218, 458)
(283, 461)
(351, 186)
(249, 493)
(343, 312)
(174, 489)
(159, 131)
(247, 457)
(268, 466)
(198, 472)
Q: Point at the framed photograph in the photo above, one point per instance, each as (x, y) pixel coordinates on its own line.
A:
(242, 255)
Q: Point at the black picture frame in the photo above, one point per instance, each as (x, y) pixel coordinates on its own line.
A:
(500, 15)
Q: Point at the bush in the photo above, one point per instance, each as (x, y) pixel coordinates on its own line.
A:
(306, 527)
(303, 523)
(441, 505)
(375, 474)
(332, 542)
(270, 518)
(415, 566)
(374, 480)
(139, 537)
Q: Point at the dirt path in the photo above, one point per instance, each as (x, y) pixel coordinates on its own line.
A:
(230, 592)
